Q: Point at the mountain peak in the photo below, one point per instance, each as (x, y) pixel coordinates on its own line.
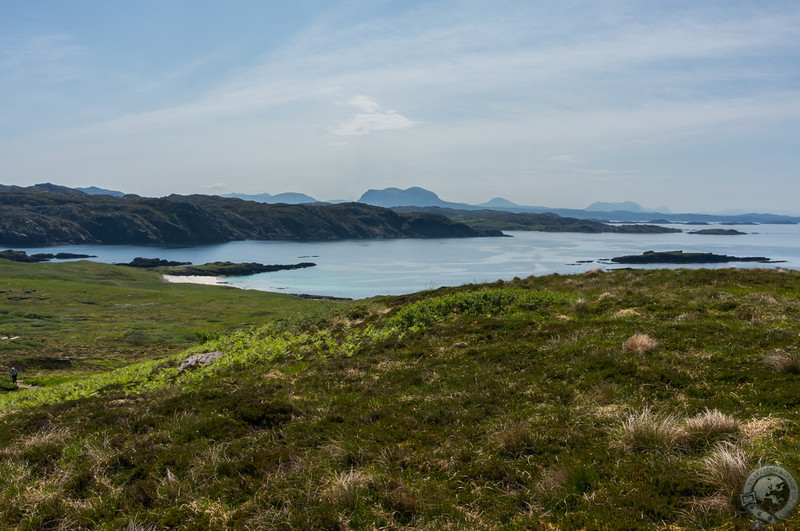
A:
(394, 197)
(498, 202)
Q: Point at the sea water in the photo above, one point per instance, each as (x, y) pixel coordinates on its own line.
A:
(364, 268)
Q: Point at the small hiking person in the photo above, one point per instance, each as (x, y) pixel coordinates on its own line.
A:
(13, 373)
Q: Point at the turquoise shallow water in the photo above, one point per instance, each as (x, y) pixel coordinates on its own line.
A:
(364, 268)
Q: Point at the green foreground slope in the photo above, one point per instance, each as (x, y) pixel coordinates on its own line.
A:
(620, 400)
(100, 315)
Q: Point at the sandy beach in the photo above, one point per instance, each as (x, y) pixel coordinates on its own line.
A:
(194, 279)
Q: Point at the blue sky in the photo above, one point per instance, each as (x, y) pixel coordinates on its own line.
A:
(692, 105)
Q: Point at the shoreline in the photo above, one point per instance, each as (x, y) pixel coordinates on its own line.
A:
(194, 279)
(217, 281)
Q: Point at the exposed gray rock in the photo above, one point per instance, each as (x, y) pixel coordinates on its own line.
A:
(199, 360)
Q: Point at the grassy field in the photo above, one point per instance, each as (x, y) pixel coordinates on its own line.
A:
(619, 400)
(100, 316)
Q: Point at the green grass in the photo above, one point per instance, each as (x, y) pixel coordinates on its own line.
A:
(506, 406)
(100, 316)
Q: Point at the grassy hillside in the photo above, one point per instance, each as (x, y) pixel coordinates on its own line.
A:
(49, 215)
(100, 316)
(620, 400)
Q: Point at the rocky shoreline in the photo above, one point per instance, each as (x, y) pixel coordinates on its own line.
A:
(22, 256)
(212, 269)
(230, 269)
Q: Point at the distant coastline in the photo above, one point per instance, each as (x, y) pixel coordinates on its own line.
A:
(54, 215)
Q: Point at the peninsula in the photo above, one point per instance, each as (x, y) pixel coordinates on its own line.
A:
(52, 215)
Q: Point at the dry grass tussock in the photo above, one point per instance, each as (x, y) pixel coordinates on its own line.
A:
(700, 510)
(344, 487)
(711, 426)
(648, 431)
(53, 435)
(639, 344)
(726, 468)
(514, 438)
(580, 305)
(135, 525)
(626, 312)
(783, 362)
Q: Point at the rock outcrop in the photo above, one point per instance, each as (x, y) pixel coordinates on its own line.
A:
(199, 360)
(679, 257)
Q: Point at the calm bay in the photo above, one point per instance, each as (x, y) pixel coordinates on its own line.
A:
(364, 268)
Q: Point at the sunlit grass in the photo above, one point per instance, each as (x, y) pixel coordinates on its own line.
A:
(496, 413)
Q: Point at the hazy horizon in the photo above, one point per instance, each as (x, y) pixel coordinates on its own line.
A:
(600, 206)
(562, 104)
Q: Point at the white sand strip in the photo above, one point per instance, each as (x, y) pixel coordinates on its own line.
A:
(194, 279)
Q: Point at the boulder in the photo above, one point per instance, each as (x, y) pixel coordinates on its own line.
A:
(199, 360)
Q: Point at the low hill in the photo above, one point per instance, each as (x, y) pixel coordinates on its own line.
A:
(94, 190)
(499, 203)
(620, 400)
(49, 215)
(544, 222)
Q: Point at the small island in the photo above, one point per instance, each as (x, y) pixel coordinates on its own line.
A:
(213, 269)
(22, 256)
(679, 257)
(149, 263)
(230, 269)
(718, 232)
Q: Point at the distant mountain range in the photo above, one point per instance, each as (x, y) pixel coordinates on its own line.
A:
(421, 199)
(625, 206)
(627, 211)
(289, 198)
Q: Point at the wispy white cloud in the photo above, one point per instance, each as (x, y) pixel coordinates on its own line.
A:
(37, 49)
(364, 103)
(372, 119)
(363, 124)
(49, 55)
(441, 71)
